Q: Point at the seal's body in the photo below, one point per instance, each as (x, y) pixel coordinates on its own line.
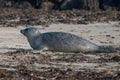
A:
(58, 41)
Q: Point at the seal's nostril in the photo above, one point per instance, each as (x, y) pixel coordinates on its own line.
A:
(21, 31)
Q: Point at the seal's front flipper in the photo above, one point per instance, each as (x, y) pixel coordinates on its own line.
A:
(38, 48)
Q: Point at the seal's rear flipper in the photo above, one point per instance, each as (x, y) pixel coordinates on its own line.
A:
(107, 49)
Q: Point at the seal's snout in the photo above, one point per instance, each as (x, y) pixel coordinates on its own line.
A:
(22, 31)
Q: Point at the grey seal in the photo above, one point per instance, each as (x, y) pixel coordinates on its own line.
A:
(57, 41)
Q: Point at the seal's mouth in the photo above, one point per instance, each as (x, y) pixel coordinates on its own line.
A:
(22, 31)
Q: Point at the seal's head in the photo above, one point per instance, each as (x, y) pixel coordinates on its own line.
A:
(33, 37)
(29, 32)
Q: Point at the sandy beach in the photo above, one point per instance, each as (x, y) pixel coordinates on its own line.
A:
(98, 33)
(14, 45)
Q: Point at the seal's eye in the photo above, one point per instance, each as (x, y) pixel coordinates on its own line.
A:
(26, 30)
